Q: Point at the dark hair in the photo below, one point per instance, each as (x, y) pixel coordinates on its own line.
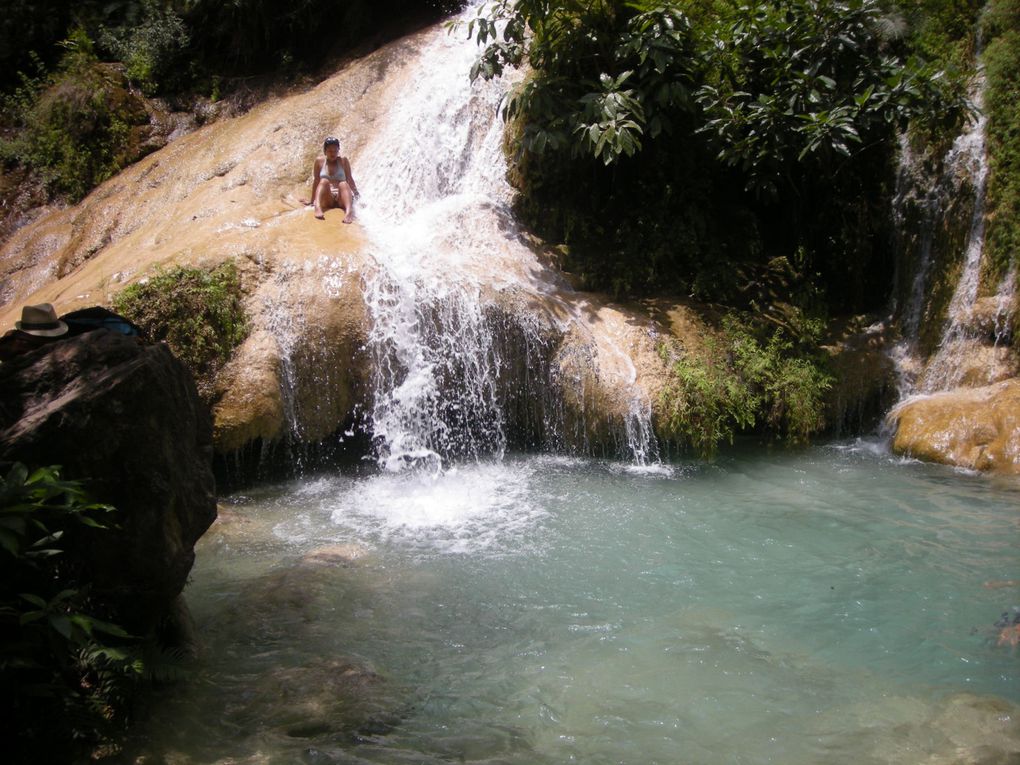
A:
(331, 141)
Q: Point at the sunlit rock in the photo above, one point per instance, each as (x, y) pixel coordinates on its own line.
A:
(975, 428)
(990, 316)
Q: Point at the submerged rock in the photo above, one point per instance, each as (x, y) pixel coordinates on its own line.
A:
(975, 428)
(333, 556)
(324, 698)
(982, 730)
(125, 419)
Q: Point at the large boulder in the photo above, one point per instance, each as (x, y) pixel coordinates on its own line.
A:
(125, 419)
(976, 428)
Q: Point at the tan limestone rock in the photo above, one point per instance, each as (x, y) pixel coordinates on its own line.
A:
(250, 403)
(975, 428)
(229, 191)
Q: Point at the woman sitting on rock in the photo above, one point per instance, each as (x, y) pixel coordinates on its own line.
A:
(332, 182)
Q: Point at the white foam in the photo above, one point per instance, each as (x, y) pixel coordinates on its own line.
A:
(482, 507)
(652, 469)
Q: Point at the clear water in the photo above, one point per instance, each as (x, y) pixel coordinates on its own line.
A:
(825, 606)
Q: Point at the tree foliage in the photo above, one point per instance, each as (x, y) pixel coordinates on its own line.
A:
(1001, 25)
(74, 126)
(151, 43)
(798, 87)
(169, 43)
(729, 134)
(645, 54)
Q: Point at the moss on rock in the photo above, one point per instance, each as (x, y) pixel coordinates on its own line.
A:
(196, 311)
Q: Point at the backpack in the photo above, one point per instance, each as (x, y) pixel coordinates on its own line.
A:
(97, 317)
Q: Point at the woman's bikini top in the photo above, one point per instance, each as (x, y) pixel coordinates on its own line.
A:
(338, 177)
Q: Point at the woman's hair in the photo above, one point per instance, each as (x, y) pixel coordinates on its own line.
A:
(331, 141)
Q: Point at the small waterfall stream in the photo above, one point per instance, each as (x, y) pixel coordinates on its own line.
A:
(965, 171)
(435, 207)
(943, 371)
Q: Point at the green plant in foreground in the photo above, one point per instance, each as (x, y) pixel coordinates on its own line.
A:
(196, 311)
(739, 381)
(61, 677)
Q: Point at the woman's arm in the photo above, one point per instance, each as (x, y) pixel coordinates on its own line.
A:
(350, 176)
(315, 181)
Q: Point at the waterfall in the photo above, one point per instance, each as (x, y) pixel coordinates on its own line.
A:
(961, 355)
(453, 374)
(964, 168)
(969, 150)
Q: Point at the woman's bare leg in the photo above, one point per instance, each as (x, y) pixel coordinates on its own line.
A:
(347, 202)
(323, 200)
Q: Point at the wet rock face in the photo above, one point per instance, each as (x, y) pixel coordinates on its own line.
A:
(975, 428)
(299, 373)
(865, 377)
(126, 420)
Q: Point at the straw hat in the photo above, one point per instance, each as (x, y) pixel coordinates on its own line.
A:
(41, 320)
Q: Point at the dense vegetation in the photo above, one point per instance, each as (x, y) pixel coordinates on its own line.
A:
(166, 44)
(1001, 30)
(76, 125)
(744, 376)
(196, 311)
(65, 671)
(683, 145)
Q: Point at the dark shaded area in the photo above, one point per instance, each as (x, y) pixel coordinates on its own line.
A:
(126, 419)
(238, 38)
(684, 148)
(261, 462)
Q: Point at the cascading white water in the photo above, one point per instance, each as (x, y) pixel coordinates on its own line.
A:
(964, 333)
(943, 371)
(434, 376)
(435, 207)
(435, 160)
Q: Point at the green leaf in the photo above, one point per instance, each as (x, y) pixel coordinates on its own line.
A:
(61, 624)
(35, 600)
(10, 542)
(109, 628)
